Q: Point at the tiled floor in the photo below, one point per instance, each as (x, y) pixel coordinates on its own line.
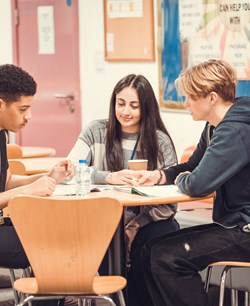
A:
(6, 293)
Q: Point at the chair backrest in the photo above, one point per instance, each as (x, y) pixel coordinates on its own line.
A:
(17, 167)
(14, 151)
(187, 153)
(65, 239)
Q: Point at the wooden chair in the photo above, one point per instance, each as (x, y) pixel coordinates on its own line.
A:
(65, 240)
(17, 167)
(14, 151)
(187, 153)
(227, 266)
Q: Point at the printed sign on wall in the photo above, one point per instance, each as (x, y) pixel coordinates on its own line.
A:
(194, 31)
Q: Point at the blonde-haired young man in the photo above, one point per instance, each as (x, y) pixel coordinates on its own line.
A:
(221, 163)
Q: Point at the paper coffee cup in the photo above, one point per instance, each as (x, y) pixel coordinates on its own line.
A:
(138, 164)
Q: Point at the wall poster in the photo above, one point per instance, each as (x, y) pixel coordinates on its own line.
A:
(193, 31)
(46, 30)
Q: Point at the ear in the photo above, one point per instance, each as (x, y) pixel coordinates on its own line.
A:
(213, 97)
(2, 105)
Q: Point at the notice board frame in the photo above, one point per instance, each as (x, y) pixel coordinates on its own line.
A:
(130, 38)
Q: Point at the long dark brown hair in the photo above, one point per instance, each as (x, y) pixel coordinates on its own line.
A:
(150, 123)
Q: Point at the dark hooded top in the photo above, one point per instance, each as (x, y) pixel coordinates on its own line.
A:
(221, 163)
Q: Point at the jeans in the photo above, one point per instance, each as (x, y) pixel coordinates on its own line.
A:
(138, 294)
(171, 263)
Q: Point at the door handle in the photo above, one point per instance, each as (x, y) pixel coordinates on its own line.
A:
(62, 95)
(68, 98)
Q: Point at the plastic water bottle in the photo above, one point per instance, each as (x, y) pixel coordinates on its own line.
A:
(82, 178)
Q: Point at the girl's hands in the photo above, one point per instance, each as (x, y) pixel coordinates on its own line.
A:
(147, 178)
(123, 177)
(135, 178)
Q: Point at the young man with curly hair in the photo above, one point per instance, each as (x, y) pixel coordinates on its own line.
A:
(17, 89)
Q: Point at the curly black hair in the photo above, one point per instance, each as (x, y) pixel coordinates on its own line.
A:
(15, 83)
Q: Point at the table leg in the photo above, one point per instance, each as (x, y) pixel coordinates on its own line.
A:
(117, 255)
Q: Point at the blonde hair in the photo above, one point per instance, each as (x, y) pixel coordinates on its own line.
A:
(213, 75)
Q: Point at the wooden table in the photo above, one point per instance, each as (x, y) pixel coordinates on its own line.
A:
(35, 152)
(117, 248)
(39, 165)
(117, 252)
(128, 199)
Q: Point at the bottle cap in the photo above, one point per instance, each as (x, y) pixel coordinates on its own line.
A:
(82, 161)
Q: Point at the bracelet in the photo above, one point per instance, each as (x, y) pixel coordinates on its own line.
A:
(161, 175)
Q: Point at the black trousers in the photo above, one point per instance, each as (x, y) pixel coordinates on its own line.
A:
(12, 255)
(171, 262)
(138, 294)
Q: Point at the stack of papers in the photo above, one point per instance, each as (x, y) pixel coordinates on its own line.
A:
(158, 191)
(122, 188)
(70, 189)
(65, 190)
(151, 191)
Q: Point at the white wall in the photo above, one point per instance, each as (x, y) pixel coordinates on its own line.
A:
(99, 77)
(5, 32)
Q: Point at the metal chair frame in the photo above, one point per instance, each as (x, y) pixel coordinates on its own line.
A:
(223, 277)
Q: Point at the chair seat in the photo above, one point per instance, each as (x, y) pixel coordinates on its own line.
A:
(102, 285)
(231, 263)
(227, 267)
(108, 284)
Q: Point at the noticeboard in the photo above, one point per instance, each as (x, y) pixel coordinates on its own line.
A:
(129, 30)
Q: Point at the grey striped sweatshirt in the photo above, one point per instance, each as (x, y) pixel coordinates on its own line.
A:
(91, 146)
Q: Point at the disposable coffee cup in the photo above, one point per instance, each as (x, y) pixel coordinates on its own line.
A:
(138, 164)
